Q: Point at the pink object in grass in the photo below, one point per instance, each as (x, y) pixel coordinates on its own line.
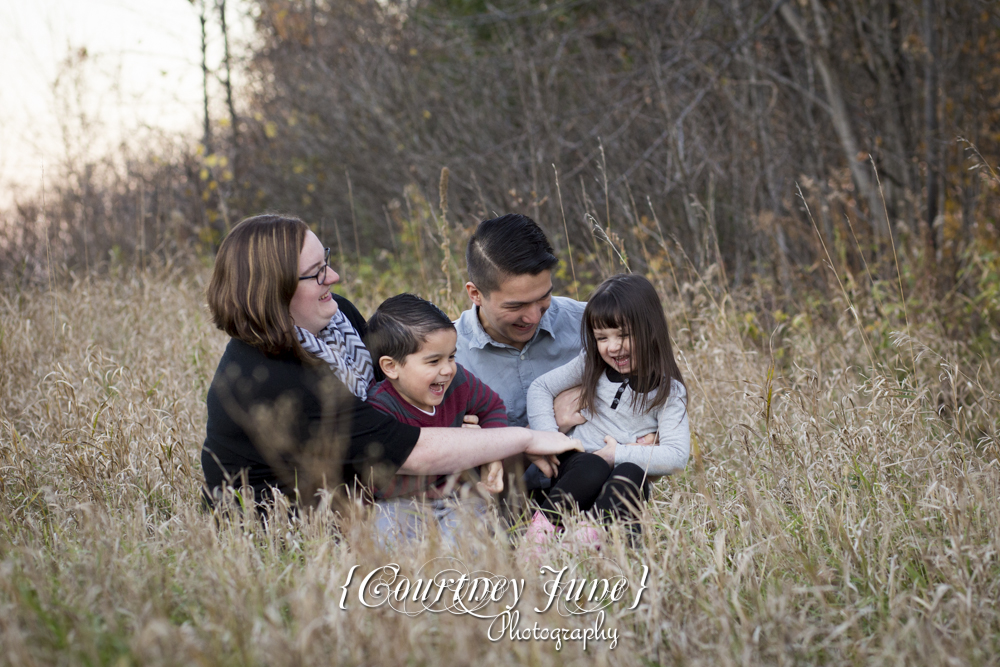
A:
(540, 530)
(589, 536)
(539, 535)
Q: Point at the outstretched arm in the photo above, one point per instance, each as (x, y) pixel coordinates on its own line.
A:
(442, 451)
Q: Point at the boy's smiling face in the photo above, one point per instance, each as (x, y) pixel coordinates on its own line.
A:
(424, 376)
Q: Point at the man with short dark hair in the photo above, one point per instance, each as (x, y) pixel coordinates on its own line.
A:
(516, 330)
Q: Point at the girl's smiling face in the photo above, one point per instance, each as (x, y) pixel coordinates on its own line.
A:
(615, 347)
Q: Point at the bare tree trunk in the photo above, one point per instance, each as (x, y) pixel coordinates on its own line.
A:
(931, 122)
(207, 138)
(759, 110)
(313, 34)
(838, 110)
(881, 46)
(221, 5)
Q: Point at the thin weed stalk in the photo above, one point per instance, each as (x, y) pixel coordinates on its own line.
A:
(445, 244)
(607, 202)
(851, 306)
(895, 259)
(340, 244)
(670, 262)
(569, 244)
(354, 217)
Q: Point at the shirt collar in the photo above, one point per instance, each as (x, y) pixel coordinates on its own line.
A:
(481, 339)
(548, 321)
(614, 376)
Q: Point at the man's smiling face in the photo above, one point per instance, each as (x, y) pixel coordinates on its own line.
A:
(511, 314)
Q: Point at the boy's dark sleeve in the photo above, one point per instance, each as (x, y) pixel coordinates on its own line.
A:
(484, 403)
(382, 400)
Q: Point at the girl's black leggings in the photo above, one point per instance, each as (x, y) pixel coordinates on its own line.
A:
(586, 481)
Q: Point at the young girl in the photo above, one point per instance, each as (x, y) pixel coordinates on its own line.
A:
(631, 387)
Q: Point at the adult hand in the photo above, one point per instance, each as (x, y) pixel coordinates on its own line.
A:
(470, 421)
(492, 477)
(544, 443)
(567, 409)
(607, 452)
(549, 465)
(649, 439)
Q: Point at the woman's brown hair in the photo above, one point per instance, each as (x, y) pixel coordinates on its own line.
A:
(253, 282)
(629, 302)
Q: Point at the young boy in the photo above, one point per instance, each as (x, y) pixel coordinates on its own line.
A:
(413, 342)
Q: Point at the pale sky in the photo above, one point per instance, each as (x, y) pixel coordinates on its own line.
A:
(141, 75)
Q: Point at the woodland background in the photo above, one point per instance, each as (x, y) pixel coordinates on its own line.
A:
(701, 127)
(811, 186)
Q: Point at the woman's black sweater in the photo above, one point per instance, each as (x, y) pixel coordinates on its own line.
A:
(276, 422)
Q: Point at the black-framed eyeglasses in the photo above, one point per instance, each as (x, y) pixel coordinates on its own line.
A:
(320, 275)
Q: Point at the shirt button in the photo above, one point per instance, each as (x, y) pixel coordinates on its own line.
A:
(522, 356)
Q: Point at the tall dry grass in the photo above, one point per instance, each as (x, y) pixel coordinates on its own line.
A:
(840, 507)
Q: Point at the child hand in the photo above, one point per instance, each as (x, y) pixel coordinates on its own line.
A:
(649, 439)
(492, 476)
(470, 421)
(607, 452)
(549, 465)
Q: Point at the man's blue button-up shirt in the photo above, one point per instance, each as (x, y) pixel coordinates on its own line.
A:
(509, 371)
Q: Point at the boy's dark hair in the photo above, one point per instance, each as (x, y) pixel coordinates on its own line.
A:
(511, 245)
(401, 325)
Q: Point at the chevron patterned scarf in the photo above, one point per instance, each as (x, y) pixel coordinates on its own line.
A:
(339, 345)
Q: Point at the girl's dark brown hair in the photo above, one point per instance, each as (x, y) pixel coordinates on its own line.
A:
(255, 276)
(629, 302)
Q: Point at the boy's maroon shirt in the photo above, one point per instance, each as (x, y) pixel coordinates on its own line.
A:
(466, 395)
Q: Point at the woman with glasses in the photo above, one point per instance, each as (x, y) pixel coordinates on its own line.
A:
(286, 407)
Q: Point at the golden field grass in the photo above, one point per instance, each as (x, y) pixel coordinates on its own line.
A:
(841, 506)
